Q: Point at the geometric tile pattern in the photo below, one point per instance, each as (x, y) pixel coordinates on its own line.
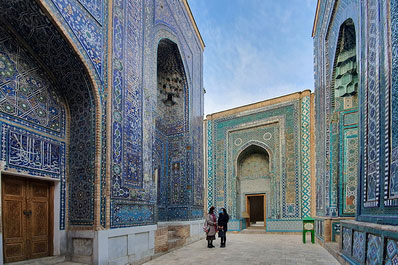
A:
(209, 154)
(372, 115)
(349, 169)
(72, 84)
(391, 179)
(391, 257)
(326, 40)
(86, 29)
(94, 7)
(374, 250)
(305, 155)
(84, 22)
(347, 240)
(27, 96)
(276, 129)
(358, 248)
(139, 128)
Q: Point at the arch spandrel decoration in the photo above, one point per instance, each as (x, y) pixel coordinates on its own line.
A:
(48, 46)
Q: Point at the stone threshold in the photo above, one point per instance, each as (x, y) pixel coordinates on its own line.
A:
(51, 260)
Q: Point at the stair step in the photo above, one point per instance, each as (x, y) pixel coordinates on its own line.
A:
(175, 242)
(253, 231)
(70, 263)
(172, 234)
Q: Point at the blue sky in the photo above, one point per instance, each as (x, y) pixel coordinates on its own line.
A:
(255, 49)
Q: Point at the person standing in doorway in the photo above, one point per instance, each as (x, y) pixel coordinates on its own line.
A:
(211, 223)
(223, 219)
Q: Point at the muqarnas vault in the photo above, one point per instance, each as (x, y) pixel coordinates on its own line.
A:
(356, 69)
(101, 109)
(258, 162)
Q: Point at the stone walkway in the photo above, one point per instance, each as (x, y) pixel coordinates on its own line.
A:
(247, 249)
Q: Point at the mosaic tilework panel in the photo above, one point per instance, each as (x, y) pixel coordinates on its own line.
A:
(349, 169)
(198, 164)
(87, 30)
(125, 214)
(127, 101)
(392, 182)
(244, 143)
(347, 240)
(27, 96)
(331, 16)
(228, 136)
(31, 153)
(358, 248)
(30, 22)
(391, 252)
(95, 8)
(374, 248)
(210, 176)
(284, 226)
(147, 158)
(305, 157)
(372, 115)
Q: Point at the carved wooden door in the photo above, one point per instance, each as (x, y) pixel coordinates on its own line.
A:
(26, 222)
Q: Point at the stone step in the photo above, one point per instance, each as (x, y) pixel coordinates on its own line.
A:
(40, 261)
(175, 242)
(172, 234)
(333, 249)
(70, 263)
(253, 231)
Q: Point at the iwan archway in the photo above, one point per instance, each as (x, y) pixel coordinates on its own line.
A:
(172, 149)
(254, 184)
(49, 116)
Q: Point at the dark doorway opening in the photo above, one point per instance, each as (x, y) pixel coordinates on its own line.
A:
(256, 208)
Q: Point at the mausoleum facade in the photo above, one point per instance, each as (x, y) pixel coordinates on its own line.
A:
(101, 110)
(259, 162)
(356, 69)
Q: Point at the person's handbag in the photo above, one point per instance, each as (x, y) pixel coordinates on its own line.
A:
(206, 227)
(221, 233)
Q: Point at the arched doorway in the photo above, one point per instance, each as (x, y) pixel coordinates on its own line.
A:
(170, 158)
(48, 119)
(254, 184)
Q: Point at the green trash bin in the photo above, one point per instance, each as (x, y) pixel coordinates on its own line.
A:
(308, 226)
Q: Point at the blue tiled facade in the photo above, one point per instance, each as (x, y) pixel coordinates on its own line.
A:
(370, 133)
(78, 100)
(282, 131)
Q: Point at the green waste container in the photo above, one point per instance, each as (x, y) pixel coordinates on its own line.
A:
(308, 226)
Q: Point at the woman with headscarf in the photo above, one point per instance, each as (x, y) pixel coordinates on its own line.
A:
(211, 224)
(223, 219)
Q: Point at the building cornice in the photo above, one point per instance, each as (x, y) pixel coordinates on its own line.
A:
(318, 5)
(202, 43)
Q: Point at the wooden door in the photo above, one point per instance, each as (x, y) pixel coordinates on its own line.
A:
(26, 219)
(14, 221)
(264, 207)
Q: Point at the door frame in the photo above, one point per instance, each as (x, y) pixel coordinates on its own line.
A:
(55, 234)
(264, 205)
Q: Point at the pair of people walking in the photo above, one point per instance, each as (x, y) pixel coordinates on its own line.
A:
(213, 226)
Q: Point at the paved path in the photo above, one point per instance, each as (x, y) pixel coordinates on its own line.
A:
(247, 249)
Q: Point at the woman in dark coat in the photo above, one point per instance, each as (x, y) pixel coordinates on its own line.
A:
(223, 219)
